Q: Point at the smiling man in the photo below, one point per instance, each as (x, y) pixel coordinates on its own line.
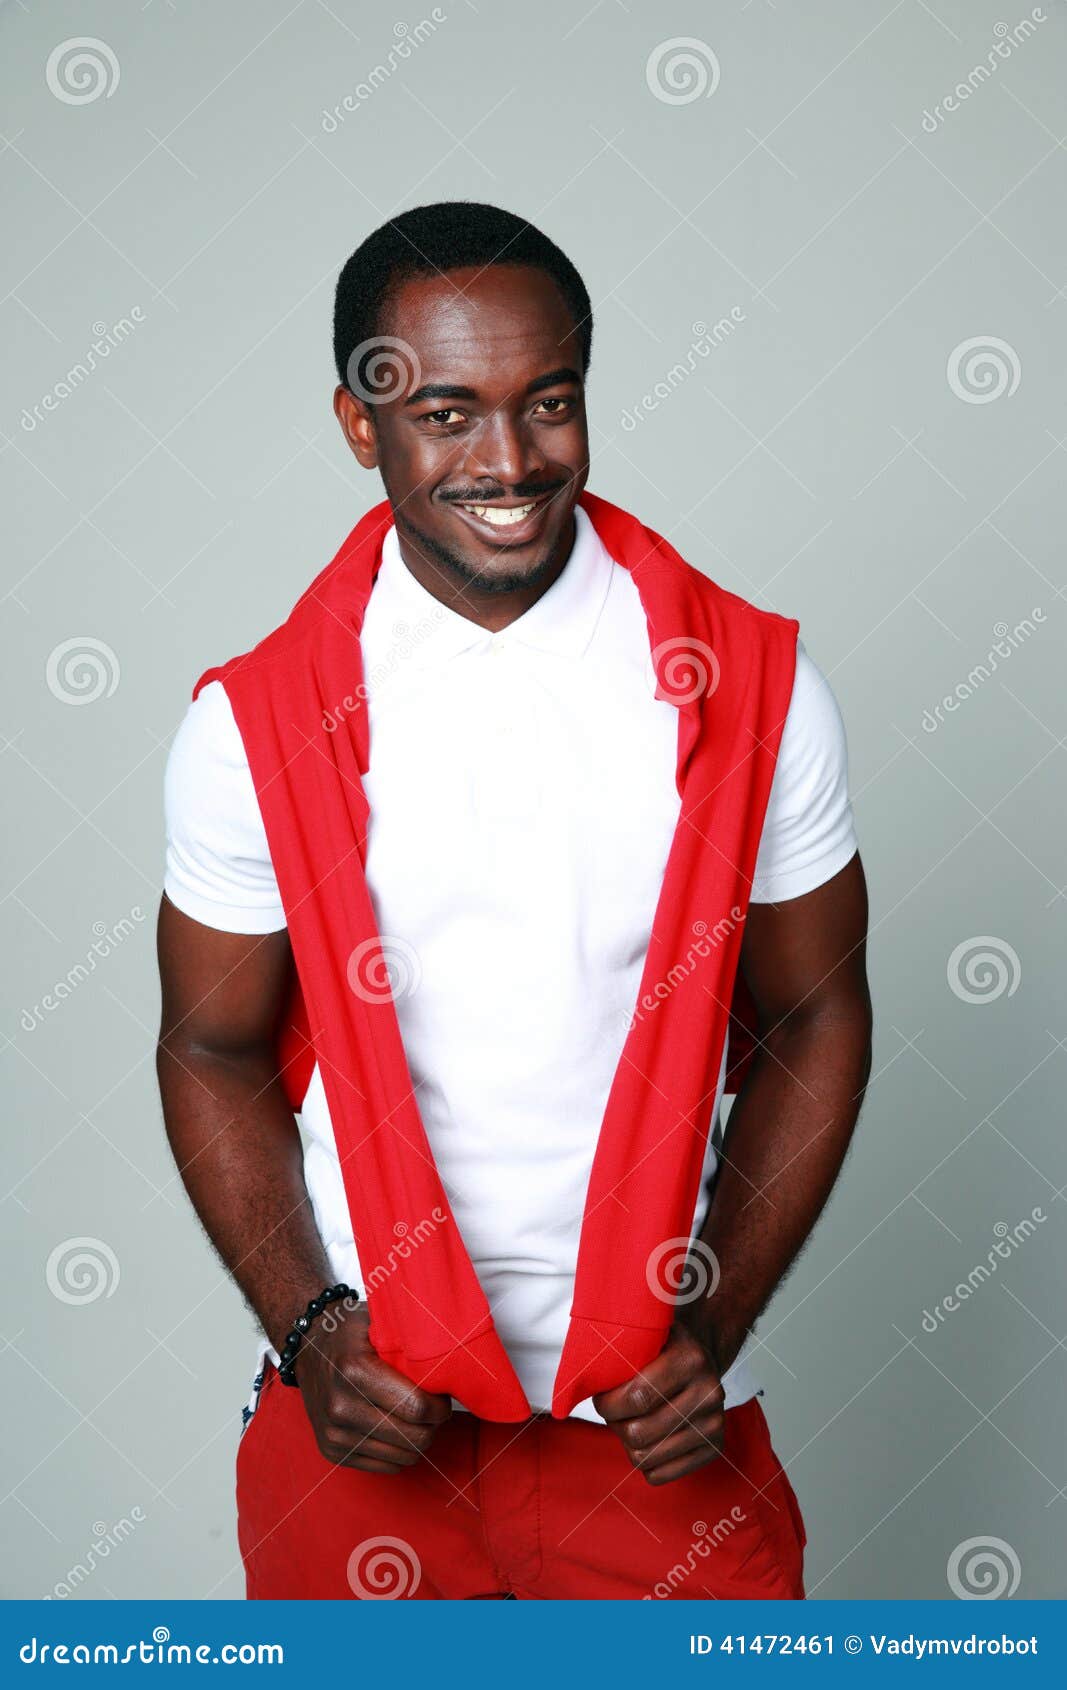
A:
(468, 863)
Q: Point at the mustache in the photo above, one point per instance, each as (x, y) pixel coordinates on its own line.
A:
(476, 495)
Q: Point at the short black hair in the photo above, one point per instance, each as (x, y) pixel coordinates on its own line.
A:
(430, 239)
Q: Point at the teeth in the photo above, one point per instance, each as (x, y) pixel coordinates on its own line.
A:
(500, 518)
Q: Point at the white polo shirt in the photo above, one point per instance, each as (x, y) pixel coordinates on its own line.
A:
(522, 805)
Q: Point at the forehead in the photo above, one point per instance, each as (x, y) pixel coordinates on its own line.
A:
(491, 325)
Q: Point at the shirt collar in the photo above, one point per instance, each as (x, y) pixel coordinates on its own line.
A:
(562, 621)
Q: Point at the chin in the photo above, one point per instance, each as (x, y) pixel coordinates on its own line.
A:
(506, 574)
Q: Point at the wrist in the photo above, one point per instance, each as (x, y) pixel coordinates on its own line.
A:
(304, 1324)
(721, 1335)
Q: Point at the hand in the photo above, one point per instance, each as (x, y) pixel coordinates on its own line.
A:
(670, 1416)
(363, 1412)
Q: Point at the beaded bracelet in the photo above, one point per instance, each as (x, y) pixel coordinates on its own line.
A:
(331, 1294)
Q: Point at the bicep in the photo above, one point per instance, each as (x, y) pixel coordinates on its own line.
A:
(224, 992)
(807, 956)
(224, 954)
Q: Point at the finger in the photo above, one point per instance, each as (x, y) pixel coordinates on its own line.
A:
(394, 1394)
(365, 1464)
(671, 1371)
(398, 1395)
(350, 1416)
(697, 1403)
(693, 1437)
(681, 1468)
(355, 1451)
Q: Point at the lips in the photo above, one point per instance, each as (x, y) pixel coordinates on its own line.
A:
(512, 523)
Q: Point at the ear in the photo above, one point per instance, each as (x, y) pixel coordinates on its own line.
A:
(357, 425)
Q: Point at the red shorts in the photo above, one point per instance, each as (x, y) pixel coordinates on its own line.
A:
(537, 1509)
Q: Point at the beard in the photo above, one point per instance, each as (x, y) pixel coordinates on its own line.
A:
(495, 577)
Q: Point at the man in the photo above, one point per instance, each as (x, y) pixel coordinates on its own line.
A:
(493, 831)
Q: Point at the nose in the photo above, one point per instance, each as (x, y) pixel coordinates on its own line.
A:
(504, 449)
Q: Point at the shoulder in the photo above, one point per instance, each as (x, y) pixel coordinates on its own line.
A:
(207, 736)
(814, 728)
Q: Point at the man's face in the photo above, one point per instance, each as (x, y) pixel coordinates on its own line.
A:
(484, 458)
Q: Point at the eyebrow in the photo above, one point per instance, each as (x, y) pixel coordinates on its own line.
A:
(446, 390)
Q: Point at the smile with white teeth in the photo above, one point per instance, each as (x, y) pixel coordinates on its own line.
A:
(500, 518)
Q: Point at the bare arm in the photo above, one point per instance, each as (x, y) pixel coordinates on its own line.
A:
(786, 1139)
(805, 964)
(238, 1151)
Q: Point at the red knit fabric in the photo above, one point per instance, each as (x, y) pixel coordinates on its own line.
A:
(298, 703)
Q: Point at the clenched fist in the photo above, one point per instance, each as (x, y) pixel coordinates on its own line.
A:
(363, 1412)
(670, 1416)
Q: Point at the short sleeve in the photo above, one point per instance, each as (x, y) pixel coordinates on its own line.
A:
(808, 831)
(218, 868)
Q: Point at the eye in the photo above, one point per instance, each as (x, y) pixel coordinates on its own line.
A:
(556, 407)
(440, 419)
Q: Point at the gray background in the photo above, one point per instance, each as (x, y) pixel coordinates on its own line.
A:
(819, 461)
